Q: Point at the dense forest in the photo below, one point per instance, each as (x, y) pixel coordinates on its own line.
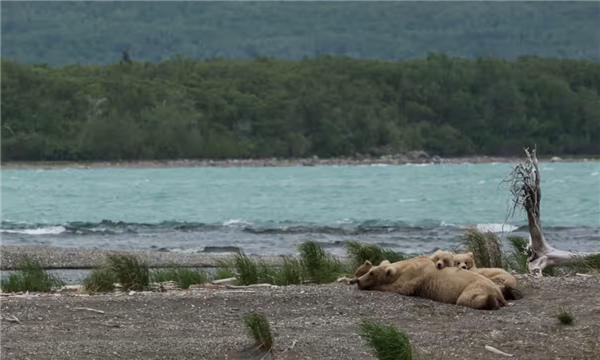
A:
(326, 106)
(95, 32)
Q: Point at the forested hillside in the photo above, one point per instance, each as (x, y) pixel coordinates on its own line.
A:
(327, 106)
(95, 32)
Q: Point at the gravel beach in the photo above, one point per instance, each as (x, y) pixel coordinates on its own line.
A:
(415, 157)
(51, 257)
(321, 321)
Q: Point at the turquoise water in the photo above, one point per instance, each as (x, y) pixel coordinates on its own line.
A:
(266, 210)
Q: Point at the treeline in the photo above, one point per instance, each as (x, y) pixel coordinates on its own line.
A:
(95, 32)
(328, 106)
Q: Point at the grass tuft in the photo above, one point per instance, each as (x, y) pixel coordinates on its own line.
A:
(100, 280)
(30, 276)
(318, 264)
(130, 271)
(291, 272)
(183, 277)
(586, 264)
(564, 317)
(247, 270)
(517, 258)
(486, 247)
(187, 277)
(225, 269)
(359, 253)
(259, 329)
(388, 342)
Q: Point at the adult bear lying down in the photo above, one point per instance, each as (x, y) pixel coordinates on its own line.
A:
(420, 277)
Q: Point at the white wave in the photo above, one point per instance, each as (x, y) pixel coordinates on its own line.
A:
(497, 228)
(343, 221)
(236, 222)
(379, 165)
(407, 200)
(51, 230)
(595, 173)
(443, 223)
(425, 164)
(481, 182)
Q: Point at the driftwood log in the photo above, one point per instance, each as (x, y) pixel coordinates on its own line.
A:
(524, 183)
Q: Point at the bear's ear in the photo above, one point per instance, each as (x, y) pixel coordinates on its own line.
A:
(391, 271)
(470, 254)
(368, 263)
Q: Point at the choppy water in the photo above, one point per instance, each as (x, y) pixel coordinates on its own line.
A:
(267, 210)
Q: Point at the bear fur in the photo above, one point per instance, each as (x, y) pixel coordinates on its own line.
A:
(364, 268)
(443, 259)
(500, 277)
(421, 277)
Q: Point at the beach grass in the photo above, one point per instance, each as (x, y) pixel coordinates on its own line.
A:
(564, 317)
(259, 329)
(100, 280)
(360, 252)
(517, 259)
(225, 269)
(291, 272)
(387, 342)
(30, 276)
(181, 276)
(485, 246)
(249, 271)
(587, 263)
(319, 265)
(131, 272)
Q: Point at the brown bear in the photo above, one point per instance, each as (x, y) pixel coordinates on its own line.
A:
(500, 277)
(443, 259)
(420, 277)
(364, 268)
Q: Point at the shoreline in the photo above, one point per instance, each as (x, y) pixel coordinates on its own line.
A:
(63, 258)
(416, 157)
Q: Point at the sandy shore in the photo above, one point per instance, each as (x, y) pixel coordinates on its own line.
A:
(410, 158)
(321, 320)
(76, 258)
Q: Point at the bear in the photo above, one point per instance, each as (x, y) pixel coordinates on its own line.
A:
(364, 268)
(443, 259)
(420, 276)
(500, 277)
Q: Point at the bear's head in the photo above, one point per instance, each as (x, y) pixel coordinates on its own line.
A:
(377, 275)
(464, 261)
(363, 269)
(442, 259)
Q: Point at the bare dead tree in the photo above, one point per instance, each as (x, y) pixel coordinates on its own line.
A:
(524, 185)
